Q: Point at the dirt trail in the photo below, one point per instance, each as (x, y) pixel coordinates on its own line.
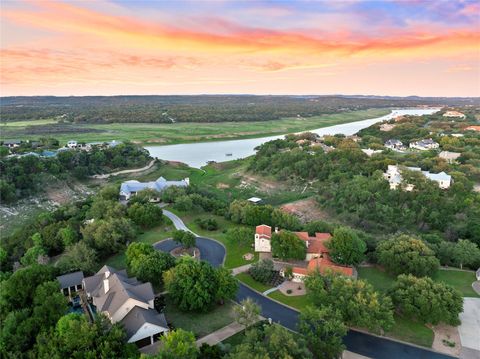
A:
(135, 170)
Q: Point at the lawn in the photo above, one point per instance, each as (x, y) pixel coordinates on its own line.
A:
(200, 324)
(298, 302)
(460, 280)
(235, 251)
(193, 132)
(248, 280)
(411, 331)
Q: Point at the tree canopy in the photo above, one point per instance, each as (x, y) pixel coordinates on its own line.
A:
(346, 247)
(286, 246)
(407, 255)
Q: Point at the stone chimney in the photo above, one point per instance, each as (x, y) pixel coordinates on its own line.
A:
(307, 243)
(276, 230)
(106, 285)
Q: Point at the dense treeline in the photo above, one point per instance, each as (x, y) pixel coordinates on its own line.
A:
(162, 109)
(351, 184)
(21, 176)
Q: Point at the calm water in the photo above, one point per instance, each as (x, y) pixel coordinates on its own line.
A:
(199, 153)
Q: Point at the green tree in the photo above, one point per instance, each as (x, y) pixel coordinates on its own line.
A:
(75, 337)
(323, 330)
(319, 227)
(227, 285)
(407, 255)
(78, 256)
(192, 285)
(357, 301)
(136, 250)
(270, 341)
(466, 253)
(247, 313)
(108, 236)
(104, 209)
(186, 239)
(262, 271)
(426, 300)
(69, 235)
(150, 268)
(178, 344)
(240, 235)
(287, 246)
(32, 254)
(18, 290)
(145, 215)
(346, 247)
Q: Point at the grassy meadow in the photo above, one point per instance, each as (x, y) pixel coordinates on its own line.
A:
(186, 132)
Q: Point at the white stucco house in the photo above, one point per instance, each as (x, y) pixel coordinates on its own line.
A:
(263, 235)
(450, 157)
(394, 144)
(126, 301)
(72, 144)
(131, 188)
(394, 176)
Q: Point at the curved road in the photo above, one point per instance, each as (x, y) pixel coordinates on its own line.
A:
(357, 342)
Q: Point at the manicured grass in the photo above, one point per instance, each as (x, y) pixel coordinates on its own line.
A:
(411, 331)
(298, 302)
(194, 132)
(460, 280)
(381, 280)
(200, 324)
(117, 261)
(248, 280)
(235, 251)
(235, 339)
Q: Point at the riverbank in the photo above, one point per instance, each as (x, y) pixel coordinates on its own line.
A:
(176, 133)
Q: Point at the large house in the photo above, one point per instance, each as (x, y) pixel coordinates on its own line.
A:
(424, 145)
(394, 176)
(450, 157)
(453, 114)
(126, 301)
(395, 145)
(12, 143)
(316, 259)
(131, 188)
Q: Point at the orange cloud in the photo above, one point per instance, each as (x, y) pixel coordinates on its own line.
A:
(136, 33)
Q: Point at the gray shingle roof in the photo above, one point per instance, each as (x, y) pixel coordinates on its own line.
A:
(70, 279)
(137, 317)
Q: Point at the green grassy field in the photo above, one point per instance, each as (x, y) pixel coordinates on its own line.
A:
(200, 324)
(460, 280)
(411, 331)
(298, 302)
(191, 132)
(248, 280)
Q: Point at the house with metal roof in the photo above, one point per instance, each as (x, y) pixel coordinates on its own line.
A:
(131, 188)
(126, 301)
(394, 144)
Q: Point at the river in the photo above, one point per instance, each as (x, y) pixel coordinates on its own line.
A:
(199, 153)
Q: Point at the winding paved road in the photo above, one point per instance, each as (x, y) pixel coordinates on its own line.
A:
(357, 342)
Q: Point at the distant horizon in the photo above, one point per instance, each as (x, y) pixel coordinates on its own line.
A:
(187, 47)
(252, 94)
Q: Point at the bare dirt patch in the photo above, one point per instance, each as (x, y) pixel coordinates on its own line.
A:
(222, 185)
(292, 289)
(306, 209)
(261, 183)
(444, 337)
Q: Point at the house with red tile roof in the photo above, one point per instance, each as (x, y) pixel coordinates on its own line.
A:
(472, 128)
(263, 234)
(317, 257)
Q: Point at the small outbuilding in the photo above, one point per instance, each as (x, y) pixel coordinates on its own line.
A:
(255, 200)
(70, 283)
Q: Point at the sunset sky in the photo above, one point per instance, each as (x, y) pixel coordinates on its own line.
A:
(408, 47)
